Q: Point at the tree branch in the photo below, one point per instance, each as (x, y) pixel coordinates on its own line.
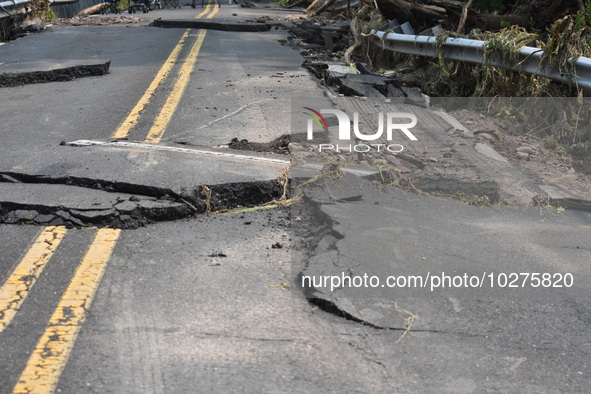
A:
(464, 17)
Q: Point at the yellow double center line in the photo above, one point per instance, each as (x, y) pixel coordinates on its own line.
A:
(14, 292)
(43, 370)
(174, 98)
(178, 89)
(46, 363)
(50, 356)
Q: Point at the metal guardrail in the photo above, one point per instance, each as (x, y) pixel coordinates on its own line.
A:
(12, 7)
(473, 51)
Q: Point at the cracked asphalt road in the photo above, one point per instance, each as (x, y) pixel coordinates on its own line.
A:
(461, 339)
(210, 302)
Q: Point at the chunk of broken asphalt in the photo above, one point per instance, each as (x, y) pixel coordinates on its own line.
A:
(374, 80)
(126, 207)
(69, 218)
(353, 88)
(40, 72)
(43, 218)
(26, 214)
(92, 216)
(394, 91)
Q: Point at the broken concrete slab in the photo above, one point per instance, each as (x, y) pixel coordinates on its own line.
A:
(23, 73)
(334, 73)
(415, 96)
(557, 196)
(76, 206)
(148, 177)
(489, 152)
(350, 87)
(369, 79)
(80, 198)
(394, 91)
(142, 193)
(26, 214)
(467, 164)
(341, 69)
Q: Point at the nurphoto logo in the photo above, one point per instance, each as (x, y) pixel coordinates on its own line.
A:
(344, 130)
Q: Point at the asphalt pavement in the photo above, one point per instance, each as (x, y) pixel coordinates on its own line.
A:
(141, 254)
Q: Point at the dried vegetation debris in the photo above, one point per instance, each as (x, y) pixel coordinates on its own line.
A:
(324, 44)
(567, 38)
(540, 158)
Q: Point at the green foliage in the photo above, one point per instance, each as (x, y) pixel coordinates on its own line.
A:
(40, 8)
(283, 2)
(581, 149)
(583, 19)
(506, 43)
(49, 15)
(123, 5)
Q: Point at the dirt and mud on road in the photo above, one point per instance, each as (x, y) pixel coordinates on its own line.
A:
(478, 152)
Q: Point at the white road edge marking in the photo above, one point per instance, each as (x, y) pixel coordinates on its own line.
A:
(144, 145)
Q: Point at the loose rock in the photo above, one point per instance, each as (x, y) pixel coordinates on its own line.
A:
(525, 149)
(488, 137)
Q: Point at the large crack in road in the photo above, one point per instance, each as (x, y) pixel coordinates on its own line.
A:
(83, 202)
(45, 71)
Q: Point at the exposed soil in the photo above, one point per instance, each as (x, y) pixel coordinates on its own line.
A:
(546, 166)
(542, 165)
(279, 145)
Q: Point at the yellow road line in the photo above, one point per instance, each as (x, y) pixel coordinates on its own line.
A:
(204, 11)
(132, 119)
(163, 119)
(172, 102)
(14, 292)
(43, 370)
(215, 10)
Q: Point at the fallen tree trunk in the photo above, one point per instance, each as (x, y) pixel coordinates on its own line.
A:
(458, 16)
(312, 6)
(95, 9)
(415, 13)
(497, 22)
(464, 16)
(324, 7)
